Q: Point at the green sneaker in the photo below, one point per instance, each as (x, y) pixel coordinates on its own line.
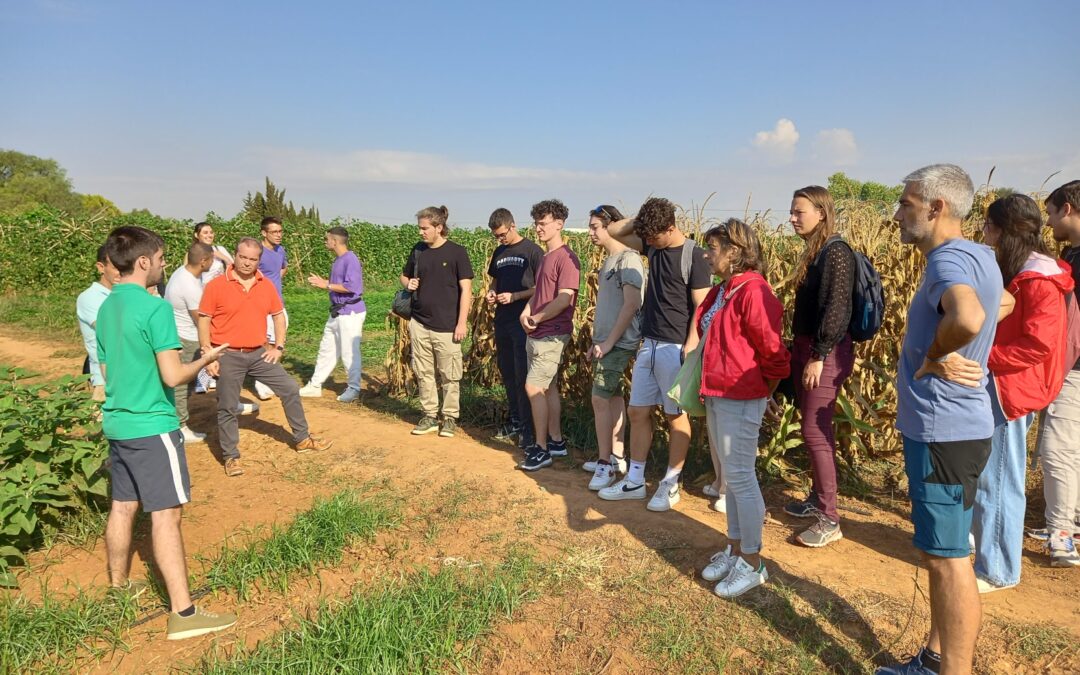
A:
(449, 427)
(427, 425)
(132, 590)
(199, 623)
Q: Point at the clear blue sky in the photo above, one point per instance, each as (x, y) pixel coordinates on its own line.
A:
(375, 110)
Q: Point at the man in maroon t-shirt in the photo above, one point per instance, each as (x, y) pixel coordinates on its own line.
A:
(548, 319)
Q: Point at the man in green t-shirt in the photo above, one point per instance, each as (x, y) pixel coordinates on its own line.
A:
(139, 352)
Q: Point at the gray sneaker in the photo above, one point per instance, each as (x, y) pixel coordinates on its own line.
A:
(199, 623)
(821, 533)
(427, 425)
(449, 427)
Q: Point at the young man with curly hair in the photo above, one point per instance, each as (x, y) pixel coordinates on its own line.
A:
(679, 279)
(548, 320)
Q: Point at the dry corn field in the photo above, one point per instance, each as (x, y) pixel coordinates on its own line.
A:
(866, 410)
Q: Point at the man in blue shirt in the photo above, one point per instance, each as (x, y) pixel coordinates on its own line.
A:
(273, 264)
(86, 309)
(943, 409)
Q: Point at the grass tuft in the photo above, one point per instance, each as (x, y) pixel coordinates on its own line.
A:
(30, 634)
(315, 538)
(426, 623)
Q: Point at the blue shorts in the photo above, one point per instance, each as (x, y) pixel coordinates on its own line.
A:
(942, 479)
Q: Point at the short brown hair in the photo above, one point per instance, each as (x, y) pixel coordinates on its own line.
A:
(1069, 193)
(199, 252)
(500, 218)
(550, 207)
(656, 216)
(734, 232)
(266, 222)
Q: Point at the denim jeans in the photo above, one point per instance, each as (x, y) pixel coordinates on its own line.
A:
(733, 427)
(998, 522)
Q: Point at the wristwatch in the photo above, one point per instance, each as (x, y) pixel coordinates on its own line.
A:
(280, 348)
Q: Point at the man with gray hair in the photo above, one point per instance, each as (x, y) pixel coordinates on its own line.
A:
(943, 410)
(233, 312)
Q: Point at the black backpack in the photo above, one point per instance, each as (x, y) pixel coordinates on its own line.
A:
(867, 299)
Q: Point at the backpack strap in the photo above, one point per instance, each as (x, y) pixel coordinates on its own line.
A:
(687, 259)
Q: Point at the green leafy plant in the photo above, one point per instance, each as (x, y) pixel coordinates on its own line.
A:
(52, 456)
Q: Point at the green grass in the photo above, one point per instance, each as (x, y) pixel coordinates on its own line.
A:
(54, 631)
(316, 538)
(31, 634)
(423, 623)
(49, 313)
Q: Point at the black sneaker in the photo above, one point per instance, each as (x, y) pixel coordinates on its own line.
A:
(535, 458)
(525, 440)
(505, 433)
(806, 508)
(557, 448)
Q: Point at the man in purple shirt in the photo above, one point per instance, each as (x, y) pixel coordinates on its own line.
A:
(273, 264)
(344, 328)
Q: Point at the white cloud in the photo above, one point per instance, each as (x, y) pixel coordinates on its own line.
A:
(836, 146)
(298, 167)
(778, 144)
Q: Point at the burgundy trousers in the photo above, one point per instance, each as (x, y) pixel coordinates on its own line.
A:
(816, 407)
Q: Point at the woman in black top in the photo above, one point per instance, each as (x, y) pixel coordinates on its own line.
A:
(821, 357)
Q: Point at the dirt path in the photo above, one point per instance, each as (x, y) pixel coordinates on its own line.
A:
(872, 566)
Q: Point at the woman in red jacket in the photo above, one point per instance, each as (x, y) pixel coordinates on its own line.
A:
(743, 359)
(1026, 371)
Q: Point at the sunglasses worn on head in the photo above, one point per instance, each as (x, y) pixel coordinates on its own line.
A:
(602, 212)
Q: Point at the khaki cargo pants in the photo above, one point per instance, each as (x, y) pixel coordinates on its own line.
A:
(435, 353)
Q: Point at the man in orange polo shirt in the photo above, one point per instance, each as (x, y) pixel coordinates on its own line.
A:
(233, 311)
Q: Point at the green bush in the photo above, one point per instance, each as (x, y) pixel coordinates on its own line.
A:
(52, 456)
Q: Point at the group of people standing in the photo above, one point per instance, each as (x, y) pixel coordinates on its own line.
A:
(993, 337)
(222, 316)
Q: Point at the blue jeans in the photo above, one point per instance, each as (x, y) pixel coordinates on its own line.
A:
(733, 427)
(998, 522)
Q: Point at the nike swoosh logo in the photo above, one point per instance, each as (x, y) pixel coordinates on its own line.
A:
(627, 488)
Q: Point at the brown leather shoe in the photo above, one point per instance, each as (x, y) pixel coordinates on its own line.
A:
(233, 468)
(312, 443)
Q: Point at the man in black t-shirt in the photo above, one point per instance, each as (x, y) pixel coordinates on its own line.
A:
(512, 271)
(440, 275)
(679, 279)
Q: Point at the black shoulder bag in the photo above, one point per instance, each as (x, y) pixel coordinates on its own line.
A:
(401, 305)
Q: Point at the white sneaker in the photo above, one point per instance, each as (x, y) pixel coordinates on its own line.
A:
(987, 587)
(666, 496)
(710, 491)
(719, 565)
(264, 392)
(617, 463)
(602, 478)
(307, 391)
(719, 504)
(741, 579)
(624, 489)
(247, 408)
(349, 395)
(192, 436)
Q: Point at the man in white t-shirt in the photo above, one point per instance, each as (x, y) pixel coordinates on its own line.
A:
(184, 293)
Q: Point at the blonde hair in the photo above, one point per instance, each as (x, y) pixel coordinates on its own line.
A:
(436, 215)
(821, 200)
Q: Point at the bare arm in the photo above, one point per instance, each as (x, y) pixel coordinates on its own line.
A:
(174, 373)
(961, 321)
(553, 308)
(195, 319)
(1008, 304)
(202, 322)
(623, 231)
(464, 305)
(692, 339)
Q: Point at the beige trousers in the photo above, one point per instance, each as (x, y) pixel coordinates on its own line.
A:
(436, 354)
